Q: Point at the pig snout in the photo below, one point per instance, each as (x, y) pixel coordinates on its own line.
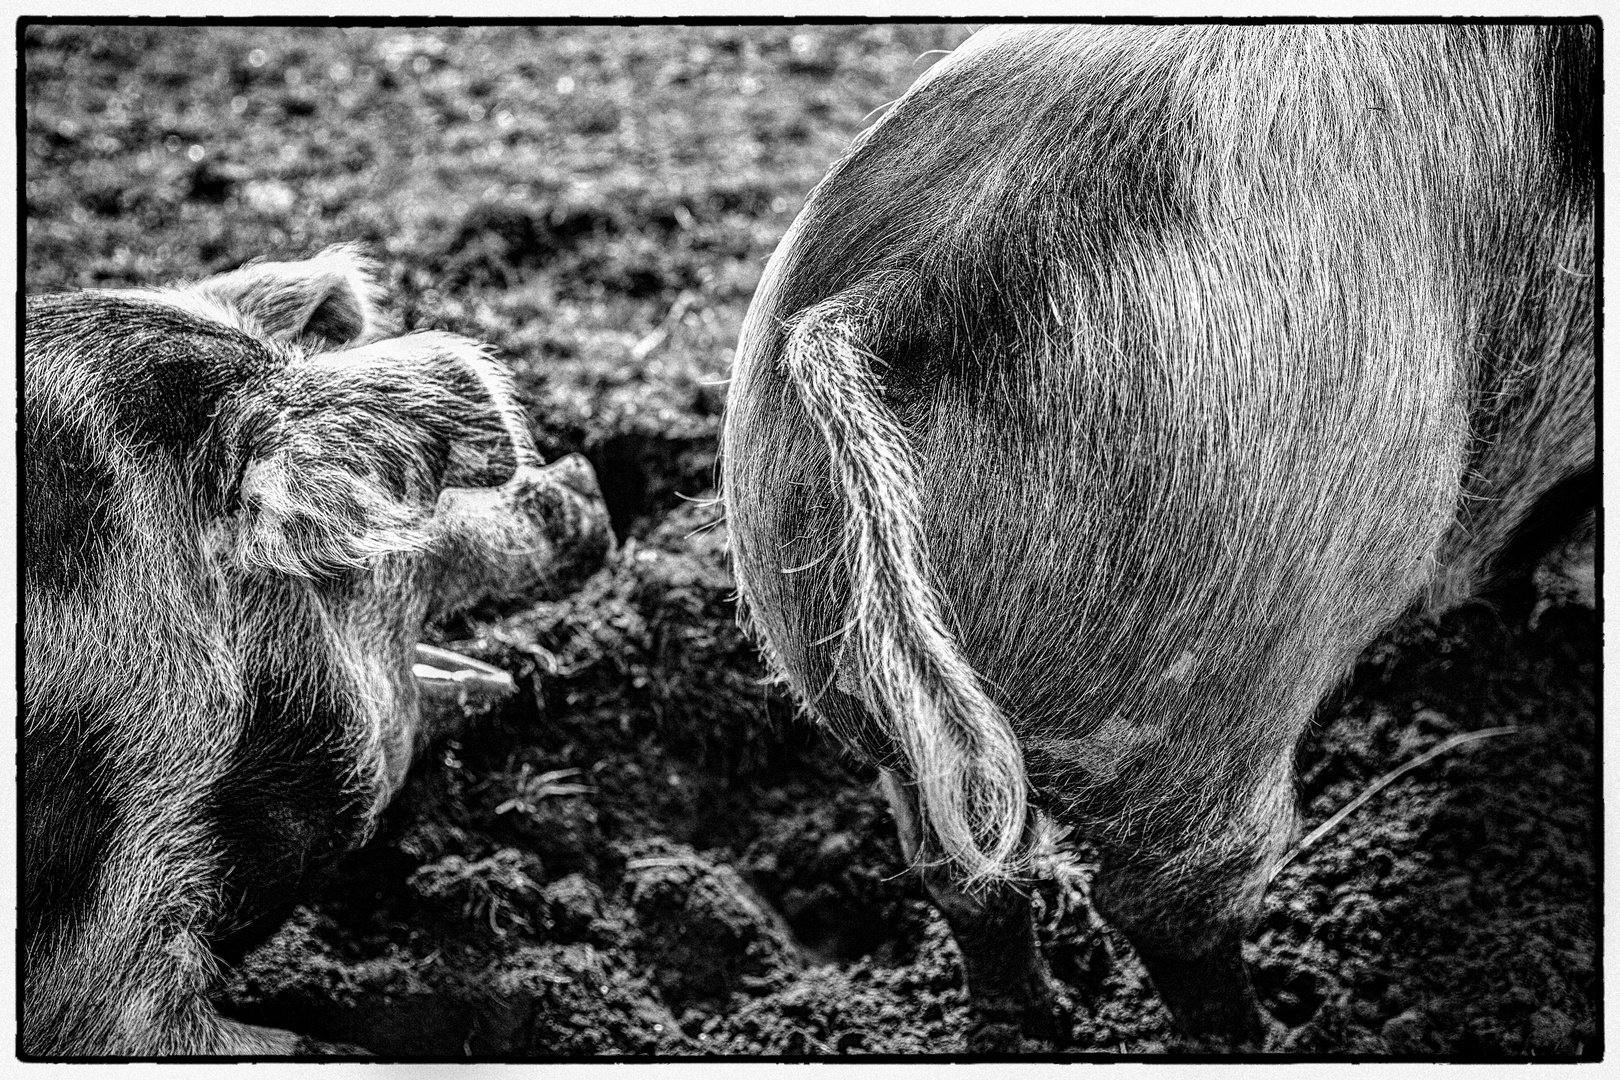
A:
(576, 474)
(563, 499)
(564, 502)
(539, 534)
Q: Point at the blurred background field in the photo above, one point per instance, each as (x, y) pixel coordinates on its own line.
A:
(649, 852)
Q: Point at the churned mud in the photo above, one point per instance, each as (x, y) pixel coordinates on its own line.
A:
(648, 852)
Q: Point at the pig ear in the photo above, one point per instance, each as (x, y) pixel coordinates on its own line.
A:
(341, 455)
(446, 395)
(307, 516)
(331, 297)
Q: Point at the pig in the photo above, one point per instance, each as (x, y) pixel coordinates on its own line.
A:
(240, 511)
(1110, 395)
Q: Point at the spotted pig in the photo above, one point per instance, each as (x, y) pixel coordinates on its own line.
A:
(238, 517)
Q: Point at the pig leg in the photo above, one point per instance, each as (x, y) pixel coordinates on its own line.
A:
(1194, 960)
(102, 994)
(1182, 876)
(1006, 975)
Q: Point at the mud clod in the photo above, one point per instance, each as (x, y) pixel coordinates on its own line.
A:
(574, 903)
(705, 932)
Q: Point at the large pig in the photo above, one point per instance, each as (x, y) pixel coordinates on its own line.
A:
(1109, 396)
(234, 531)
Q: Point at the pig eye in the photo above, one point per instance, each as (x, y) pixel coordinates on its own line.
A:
(481, 463)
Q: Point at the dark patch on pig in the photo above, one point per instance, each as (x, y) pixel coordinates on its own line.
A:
(68, 523)
(71, 819)
(170, 367)
(972, 231)
(285, 808)
(1572, 58)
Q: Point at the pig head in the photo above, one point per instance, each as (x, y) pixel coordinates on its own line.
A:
(235, 531)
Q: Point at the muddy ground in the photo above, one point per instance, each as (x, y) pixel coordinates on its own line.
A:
(649, 853)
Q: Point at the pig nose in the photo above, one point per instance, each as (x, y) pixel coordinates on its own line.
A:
(576, 474)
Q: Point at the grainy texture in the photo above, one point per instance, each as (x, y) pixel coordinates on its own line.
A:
(608, 867)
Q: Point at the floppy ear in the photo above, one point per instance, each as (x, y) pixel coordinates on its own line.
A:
(331, 298)
(342, 454)
(306, 514)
